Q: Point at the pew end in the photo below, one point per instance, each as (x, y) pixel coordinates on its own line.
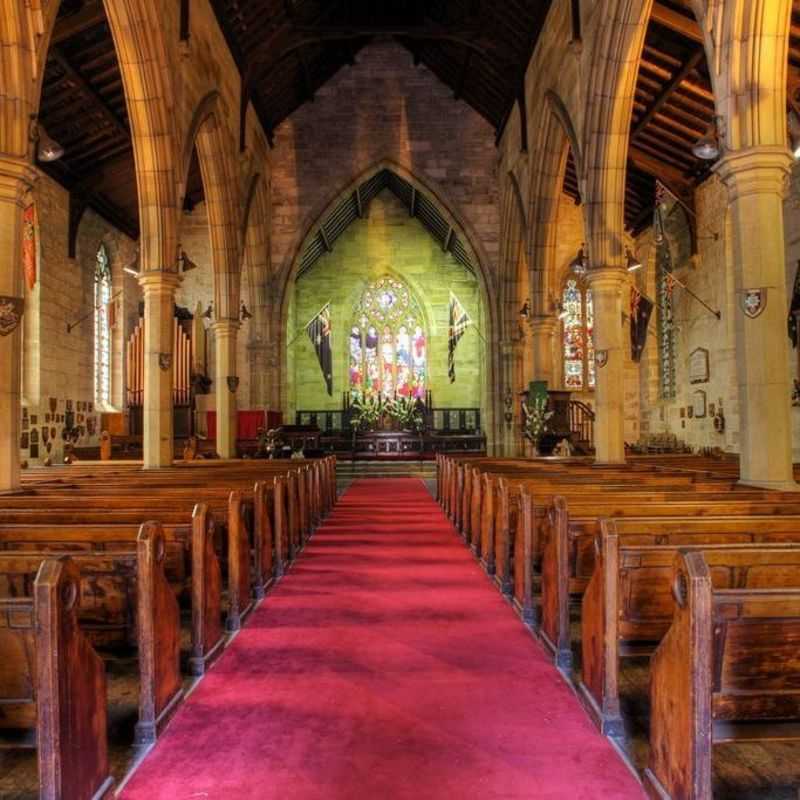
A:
(161, 688)
(727, 670)
(555, 625)
(208, 636)
(70, 694)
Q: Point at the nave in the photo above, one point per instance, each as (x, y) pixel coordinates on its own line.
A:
(383, 665)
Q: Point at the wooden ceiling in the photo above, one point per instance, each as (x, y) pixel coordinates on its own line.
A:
(83, 109)
(287, 49)
(673, 108)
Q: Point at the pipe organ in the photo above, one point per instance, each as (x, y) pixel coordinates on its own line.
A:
(188, 363)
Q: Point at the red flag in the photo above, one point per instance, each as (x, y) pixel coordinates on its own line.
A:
(29, 245)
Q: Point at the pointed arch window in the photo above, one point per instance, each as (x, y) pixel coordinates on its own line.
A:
(578, 337)
(102, 328)
(388, 343)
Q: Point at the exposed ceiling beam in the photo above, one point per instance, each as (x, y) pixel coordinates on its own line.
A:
(92, 13)
(89, 92)
(676, 22)
(677, 79)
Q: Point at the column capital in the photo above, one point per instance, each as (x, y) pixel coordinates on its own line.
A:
(606, 278)
(545, 326)
(225, 327)
(159, 282)
(756, 170)
(17, 176)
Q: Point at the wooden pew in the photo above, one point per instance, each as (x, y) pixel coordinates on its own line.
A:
(115, 588)
(627, 607)
(53, 682)
(565, 537)
(727, 670)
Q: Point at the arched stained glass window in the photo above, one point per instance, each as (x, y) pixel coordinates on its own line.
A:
(578, 337)
(102, 328)
(388, 346)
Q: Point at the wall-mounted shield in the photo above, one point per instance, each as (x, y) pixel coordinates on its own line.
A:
(11, 309)
(753, 302)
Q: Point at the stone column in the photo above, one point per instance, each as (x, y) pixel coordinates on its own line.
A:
(159, 313)
(607, 284)
(258, 358)
(544, 335)
(227, 383)
(16, 177)
(756, 182)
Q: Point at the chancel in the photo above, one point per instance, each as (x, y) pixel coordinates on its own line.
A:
(400, 400)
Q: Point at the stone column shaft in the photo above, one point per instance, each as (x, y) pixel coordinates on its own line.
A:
(544, 334)
(756, 181)
(16, 177)
(609, 429)
(227, 383)
(159, 312)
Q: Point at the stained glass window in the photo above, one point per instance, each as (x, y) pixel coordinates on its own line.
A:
(578, 337)
(102, 328)
(388, 347)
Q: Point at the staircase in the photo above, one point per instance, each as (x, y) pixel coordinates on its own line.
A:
(348, 471)
(581, 426)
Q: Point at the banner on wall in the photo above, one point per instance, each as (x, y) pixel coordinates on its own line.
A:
(29, 245)
(459, 322)
(641, 311)
(319, 331)
(794, 310)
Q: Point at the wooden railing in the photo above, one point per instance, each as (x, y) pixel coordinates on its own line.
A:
(581, 424)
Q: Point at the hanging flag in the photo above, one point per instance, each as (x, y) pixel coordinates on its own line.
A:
(459, 322)
(641, 311)
(794, 310)
(319, 331)
(29, 245)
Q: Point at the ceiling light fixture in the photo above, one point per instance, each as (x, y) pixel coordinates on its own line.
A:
(707, 146)
(47, 148)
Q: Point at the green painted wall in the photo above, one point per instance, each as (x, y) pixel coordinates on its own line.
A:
(387, 242)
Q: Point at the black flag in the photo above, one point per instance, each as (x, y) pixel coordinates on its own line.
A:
(795, 307)
(459, 322)
(641, 310)
(319, 331)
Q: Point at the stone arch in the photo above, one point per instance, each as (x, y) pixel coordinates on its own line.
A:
(614, 58)
(492, 399)
(557, 138)
(747, 49)
(257, 272)
(208, 135)
(137, 30)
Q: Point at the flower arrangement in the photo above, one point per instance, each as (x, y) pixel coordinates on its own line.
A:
(367, 412)
(372, 412)
(536, 418)
(405, 412)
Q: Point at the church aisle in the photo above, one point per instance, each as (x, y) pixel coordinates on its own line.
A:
(383, 666)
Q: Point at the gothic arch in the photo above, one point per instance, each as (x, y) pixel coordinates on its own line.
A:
(287, 275)
(214, 146)
(557, 138)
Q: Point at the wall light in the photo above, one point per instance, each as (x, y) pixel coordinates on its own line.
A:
(633, 262)
(580, 264)
(707, 146)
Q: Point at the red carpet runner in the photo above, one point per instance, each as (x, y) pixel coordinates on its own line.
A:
(384, 666)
